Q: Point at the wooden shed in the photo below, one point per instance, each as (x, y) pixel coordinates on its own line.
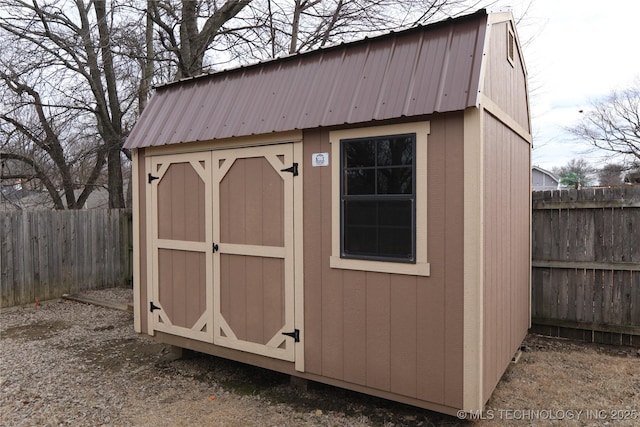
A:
(357, 215)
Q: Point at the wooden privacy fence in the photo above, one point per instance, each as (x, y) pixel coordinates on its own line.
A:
(45, 254)
(586, 264)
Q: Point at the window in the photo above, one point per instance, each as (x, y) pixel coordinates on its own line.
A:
(379, 189)
(377, 198)
(510, 46)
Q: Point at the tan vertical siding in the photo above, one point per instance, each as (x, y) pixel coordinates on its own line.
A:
(332, 309)
(396, 333)
(378, 331)
(270, 298)
(182, 286)
(505, 84)
(181, 209)
(317, 245)
(355, 343)
(252, 296)
(252, 204)
(452, 136)
(506, 248)
(431, 349)
(403, 345)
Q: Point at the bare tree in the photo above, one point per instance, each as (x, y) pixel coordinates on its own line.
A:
(33, 135)
(71, 44)
(614, 124)
(207, 33)
(576, 173)
(181, 34)
(146, 60)
(284, 27)
(611, 174)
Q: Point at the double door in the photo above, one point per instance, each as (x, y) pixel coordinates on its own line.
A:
(223, 248)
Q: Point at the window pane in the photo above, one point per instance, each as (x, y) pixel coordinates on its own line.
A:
(395, 225)
(395, 213)
(359, 181)
(379, 228)
(395, 242)
(395, 150)
(359, 153)
(357, 212)
(360, 227)
(360, 241)
(398, 180)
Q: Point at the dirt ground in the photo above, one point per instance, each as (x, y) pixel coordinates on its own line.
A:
(67, 363)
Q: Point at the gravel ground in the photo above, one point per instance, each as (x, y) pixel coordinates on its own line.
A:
(68, 363)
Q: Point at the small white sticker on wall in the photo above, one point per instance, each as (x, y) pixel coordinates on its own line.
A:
(320, 159)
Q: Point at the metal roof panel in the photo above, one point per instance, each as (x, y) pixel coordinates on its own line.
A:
(435, 68)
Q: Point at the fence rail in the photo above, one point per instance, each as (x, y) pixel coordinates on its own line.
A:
(45, 254)
(586, 264)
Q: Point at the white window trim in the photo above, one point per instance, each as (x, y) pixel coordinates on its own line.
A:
(421, 266)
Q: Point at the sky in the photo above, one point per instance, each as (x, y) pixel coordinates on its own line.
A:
(576, 52)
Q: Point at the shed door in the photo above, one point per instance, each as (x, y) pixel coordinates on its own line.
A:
(182, 282)
(253, 264)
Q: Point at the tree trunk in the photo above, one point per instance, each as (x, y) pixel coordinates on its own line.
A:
(194, 43)
(147, 62)
(115, 182)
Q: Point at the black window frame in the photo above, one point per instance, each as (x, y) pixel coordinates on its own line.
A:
(411, 259)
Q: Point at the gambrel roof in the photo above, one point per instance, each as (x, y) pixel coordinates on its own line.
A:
(420, 71)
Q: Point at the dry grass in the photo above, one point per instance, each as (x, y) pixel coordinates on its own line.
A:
(558, 378)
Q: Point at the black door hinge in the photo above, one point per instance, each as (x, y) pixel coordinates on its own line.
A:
(152, 306)
(295, 335)
(293, 169)
(151, 178)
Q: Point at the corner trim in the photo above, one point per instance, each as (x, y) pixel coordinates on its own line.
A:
(473, 328)
(135, 182)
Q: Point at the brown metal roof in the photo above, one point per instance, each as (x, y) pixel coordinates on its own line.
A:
(434, 68)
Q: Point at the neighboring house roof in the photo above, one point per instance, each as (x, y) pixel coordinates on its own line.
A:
(98, 199)
(420, 71)
(14, 199)
(17, 199)
(542, 179)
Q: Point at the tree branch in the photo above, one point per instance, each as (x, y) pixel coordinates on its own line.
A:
(53, 193)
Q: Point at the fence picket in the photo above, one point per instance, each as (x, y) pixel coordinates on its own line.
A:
(46, 254)
(586, 261)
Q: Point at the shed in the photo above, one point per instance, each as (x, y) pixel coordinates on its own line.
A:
(335, 215)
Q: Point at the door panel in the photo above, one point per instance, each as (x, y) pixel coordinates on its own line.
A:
(181, 198)
(182, 282)
(254, 270)
(183, 305)
(258, 285)
(252, 212)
